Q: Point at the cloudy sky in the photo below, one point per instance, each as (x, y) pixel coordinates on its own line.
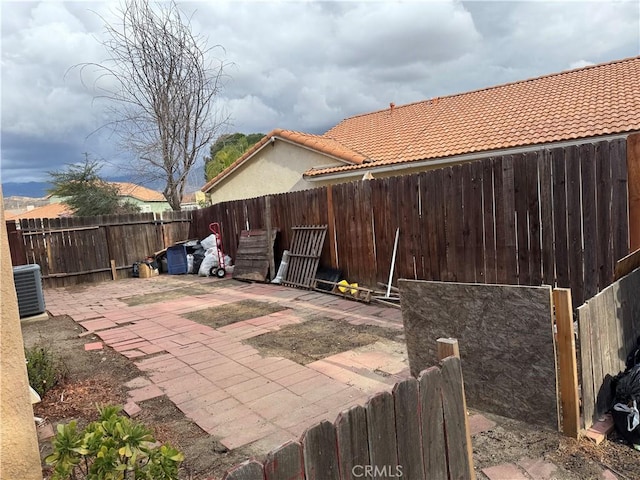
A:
(296, 65)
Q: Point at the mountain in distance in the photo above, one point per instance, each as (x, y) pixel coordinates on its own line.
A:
(25, 189)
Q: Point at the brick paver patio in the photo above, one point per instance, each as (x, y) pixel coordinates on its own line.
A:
(225, 386)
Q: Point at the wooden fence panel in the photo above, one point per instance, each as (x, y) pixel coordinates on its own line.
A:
(608, 327)
(560, 219)
(434, 452)
(285, 463)
(16, 244)
(469, 205)
(249, 470)
(604, 254)
(406, 400)
(533, 219)
(417, 432)
(589, 219)
(381, 429)
(505, 221)
(382, 227)
(455, 417)
(353, 444)
(546, 217)
(320, 452)
(620, 207)
(489, 222)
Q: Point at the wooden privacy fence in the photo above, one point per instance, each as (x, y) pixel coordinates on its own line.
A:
(74, 250)
(419, 431)
(608, 325)
(555, 216)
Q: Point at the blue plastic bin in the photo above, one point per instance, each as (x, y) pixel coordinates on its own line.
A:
(177, 260)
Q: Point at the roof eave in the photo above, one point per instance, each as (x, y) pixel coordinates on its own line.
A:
(445, 161)
(325, 154)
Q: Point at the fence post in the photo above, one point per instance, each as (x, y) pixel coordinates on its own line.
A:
(267, 215)
(633, 186)
(448, 347)
(568, 377)
(331, 220)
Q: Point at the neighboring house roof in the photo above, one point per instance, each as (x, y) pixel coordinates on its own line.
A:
(587, 102)
(126, 189)
(576, 104)
(52, 210)
(319, 143)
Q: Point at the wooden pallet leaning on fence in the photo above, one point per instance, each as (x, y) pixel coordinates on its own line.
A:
(417, 431)
(304, 255)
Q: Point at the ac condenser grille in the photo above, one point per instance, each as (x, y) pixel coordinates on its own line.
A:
(29, 290)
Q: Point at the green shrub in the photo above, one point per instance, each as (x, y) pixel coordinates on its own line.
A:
(111, 448)
(44, 369)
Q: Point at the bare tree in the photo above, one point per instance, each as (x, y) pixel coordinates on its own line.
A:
(162, 85)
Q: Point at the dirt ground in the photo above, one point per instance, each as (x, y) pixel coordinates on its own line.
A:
(98, 377)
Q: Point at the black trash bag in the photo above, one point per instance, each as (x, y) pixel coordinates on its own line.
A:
(626, 400)
(197, 261)
(633, 358)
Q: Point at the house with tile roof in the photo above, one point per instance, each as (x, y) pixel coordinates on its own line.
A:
(149, 201)
(51, 210)
(576, 106)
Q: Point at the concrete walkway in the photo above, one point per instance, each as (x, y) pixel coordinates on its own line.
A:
(223, 385)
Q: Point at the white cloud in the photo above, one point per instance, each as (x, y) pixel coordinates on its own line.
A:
(297, 65)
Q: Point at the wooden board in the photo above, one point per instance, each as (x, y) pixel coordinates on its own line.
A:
(406, 398)
(633, 170)
(455, 418)
(627, 264)
(320, 452)
(285, 463)
(567, 365)
(252, 255)
(506, 343)
(353, 446)
(432, 423)
(381, 430)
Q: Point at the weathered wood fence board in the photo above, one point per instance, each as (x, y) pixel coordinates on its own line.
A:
(285, 463)
(353, 446)
(407, 405)
(506, 337)
(608, 326)
(418, 431)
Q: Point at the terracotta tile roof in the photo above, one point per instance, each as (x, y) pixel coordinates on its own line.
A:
(52, 210)
(319, 143)
(141, 193)
(587, 102)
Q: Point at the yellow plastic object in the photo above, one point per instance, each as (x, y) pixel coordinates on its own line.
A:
(346, 287)
(343, 286)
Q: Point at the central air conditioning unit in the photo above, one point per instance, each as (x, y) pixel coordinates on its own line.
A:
(29, 290)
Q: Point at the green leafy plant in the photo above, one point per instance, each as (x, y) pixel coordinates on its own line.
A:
(45, 370)
(112, 448)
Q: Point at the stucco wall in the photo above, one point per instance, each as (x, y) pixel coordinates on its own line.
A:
(277, 168)
(19, 454)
